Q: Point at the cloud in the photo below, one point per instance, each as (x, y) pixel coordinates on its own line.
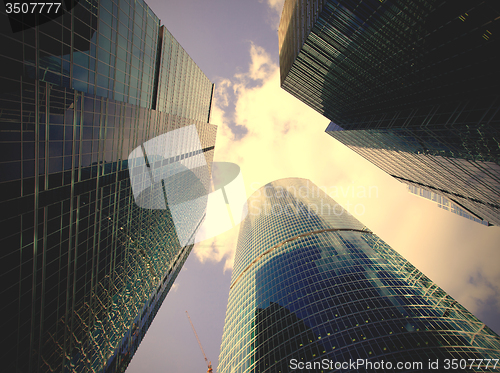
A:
(223, 108)
(219, 248)
(261, 68)
(285, 138)
(221, 93)
(276, 5)
(275, 8)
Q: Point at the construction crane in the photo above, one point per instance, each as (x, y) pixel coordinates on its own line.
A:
(209, 363)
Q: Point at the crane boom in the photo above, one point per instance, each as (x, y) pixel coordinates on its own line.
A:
(209, 363)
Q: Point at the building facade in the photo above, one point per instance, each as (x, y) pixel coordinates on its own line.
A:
(410, 82)
(471, 185)
(85, 266)
(443, 203)
(313, 288)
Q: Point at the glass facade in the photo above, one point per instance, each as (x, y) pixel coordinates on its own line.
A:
(313, 288)
(419, 72)
(84, 267)
(472, 185)
(443, 203)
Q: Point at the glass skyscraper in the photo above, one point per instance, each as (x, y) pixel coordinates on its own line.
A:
(409, 85)
(85, 266)
(443, 203)
(313, 289)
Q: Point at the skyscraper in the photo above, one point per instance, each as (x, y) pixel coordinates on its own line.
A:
(313, 289)
(87, 254)
(443, 203)
(409, 85)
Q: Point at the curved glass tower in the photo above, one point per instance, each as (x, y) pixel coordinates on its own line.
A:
(314, 290)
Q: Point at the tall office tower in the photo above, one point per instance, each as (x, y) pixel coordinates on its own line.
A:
(412, 86)
(102, 115)
(311, 284)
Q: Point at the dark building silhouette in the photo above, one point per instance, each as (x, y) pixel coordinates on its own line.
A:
(84, 267)
(412, 86)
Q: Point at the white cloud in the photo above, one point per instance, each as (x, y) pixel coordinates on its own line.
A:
(261, 68)
(276, 5)
(222, 92)
(286, 138)
(275, 8)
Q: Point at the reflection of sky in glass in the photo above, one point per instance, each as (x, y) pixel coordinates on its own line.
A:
(317, 285)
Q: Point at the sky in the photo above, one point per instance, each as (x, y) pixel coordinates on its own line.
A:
(272, 135)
